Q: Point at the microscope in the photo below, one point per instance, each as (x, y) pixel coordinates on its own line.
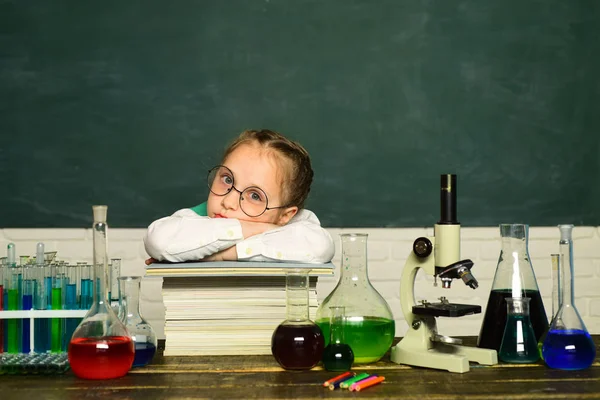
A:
(438, 256)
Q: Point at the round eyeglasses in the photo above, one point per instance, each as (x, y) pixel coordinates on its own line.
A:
(253, 200)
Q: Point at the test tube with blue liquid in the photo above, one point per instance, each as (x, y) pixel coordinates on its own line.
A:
(86, 276)
(28, 286)
(43, 292)
(13, 326)
(71, 303)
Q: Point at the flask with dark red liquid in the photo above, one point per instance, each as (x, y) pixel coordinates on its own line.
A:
(101, 347)
(297, 343)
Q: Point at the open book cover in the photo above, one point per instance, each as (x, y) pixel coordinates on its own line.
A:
(237, 268)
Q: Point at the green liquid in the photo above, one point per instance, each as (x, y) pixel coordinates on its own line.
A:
(12, 325)
(369, 339)
(56, 323)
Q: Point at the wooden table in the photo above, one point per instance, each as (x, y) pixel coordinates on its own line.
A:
(260, 377)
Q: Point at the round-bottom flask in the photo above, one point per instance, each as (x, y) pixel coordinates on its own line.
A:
(338, 355)
(100, 347)
(519, 344)
(297, 343)
(141, 332)
(568, 345)
(369, 323)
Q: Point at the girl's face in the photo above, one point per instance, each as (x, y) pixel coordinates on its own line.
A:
(251, 166)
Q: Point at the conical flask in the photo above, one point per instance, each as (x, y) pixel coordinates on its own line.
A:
(297, 343)
(514, 278)
(518, 342)
(369, 324)
(100, 347)
(568, 344)
(139, 329)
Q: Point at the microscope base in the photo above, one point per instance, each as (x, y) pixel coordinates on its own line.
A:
(416, 349)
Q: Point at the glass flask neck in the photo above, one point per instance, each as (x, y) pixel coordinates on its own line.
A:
(556, 284)
(514, 236)
(354, 257)
(100, 262)
(566, 267)
(337, 321)
(296, 290)
(514, 270)
(130, 297)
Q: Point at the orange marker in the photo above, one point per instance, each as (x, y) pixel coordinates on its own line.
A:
(365, 385)
(338, 378)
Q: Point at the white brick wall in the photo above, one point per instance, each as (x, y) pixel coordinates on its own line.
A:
(388, 249)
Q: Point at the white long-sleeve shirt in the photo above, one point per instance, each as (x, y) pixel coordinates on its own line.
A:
(187, 236)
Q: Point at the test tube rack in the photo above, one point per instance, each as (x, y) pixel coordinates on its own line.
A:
(32, 362)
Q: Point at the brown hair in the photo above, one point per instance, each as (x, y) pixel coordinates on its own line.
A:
(299, 174)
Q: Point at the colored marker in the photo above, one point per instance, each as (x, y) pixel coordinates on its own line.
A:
(349, 382)
(369, 379)
(369, 383)
(338, 378)
(337, 383)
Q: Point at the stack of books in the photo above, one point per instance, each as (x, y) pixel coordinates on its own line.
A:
(227, 308)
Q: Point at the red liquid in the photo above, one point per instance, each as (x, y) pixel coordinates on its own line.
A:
(101, 358)
(297, 346)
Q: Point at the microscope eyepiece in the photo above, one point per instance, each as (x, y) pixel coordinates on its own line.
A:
(448, 200)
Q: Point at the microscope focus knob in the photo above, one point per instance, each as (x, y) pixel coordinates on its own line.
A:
(422, 247)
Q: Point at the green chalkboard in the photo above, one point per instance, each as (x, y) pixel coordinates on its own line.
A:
(128, 103)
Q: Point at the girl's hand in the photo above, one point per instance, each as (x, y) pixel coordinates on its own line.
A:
(150, 261)
(229, 254)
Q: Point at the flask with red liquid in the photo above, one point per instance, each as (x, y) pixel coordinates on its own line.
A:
(101, 347)
(297, 343)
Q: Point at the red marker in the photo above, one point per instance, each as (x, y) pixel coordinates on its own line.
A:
(341, 377)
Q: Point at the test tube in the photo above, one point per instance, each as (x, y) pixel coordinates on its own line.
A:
(57, 302)
(71, 303)
(13, 326)
(27, 304)
(43, 291)
(115, 273)
(86, 276)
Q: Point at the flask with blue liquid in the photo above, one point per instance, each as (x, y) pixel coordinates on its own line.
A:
(568, 344)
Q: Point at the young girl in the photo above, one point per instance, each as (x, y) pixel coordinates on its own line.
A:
(255, 209)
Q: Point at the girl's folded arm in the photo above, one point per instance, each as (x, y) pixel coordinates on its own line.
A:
(301, 240)
(187, 236)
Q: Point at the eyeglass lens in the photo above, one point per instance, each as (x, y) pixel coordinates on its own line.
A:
(253, 200)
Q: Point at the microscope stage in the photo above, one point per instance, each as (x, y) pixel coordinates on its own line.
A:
(446, 309)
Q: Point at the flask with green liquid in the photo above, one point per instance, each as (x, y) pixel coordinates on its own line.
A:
(369, 326)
